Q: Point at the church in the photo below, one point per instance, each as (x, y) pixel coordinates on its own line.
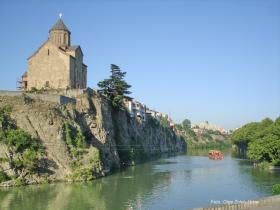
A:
(56, 64)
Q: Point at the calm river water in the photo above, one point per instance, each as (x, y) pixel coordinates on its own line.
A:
(178, 182)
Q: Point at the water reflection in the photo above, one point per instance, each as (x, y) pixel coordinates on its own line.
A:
(170, 183)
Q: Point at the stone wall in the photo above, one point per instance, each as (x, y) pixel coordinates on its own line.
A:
(10, 93)
(59, 99)
(250, 204)
(49, 67)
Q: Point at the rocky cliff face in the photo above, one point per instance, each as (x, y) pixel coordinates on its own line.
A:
(81, 141)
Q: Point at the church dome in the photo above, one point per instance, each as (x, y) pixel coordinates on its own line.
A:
(59, 26)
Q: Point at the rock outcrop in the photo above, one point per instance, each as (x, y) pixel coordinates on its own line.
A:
(112, 138)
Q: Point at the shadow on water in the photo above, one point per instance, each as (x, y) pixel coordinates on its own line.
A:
(118, 191)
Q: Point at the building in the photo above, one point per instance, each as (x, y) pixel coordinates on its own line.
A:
(56, 64)
(130, 105)
(135, 108)
(207, 126)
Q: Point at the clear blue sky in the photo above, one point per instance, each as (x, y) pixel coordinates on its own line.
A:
(215, 60)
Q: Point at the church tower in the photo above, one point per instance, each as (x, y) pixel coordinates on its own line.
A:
(59, 34)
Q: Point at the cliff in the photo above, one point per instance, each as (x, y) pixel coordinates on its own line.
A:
(76, 141)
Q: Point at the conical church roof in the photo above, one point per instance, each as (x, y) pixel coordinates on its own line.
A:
(60, 26)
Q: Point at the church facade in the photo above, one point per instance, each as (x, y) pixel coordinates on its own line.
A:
(56, 64)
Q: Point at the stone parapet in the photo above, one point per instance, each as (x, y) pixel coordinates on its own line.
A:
(54, 98)
(245, 205)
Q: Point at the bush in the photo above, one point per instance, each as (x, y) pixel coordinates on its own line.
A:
(68, 137)
(5, 120)
(276, 189)
(30, 158)
(28, 149)
(164, 122)
(83, 174)
(80, 140)
(262, 139)
(19, 181)
(20, 140)
(3, 176)
(265, 149)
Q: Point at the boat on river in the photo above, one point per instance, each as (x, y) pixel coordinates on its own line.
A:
(215, 155)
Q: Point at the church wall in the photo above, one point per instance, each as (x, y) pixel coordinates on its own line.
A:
(49, 67)
(72, 63)
(77, 73)
(84, 83)
(79, 69)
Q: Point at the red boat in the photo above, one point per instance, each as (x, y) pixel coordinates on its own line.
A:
(215, 155)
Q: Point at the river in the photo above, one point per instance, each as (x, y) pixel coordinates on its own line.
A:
(177, 182)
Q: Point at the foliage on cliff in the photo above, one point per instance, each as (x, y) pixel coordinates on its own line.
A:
(185, 128)
(115, 88)
(262, 140)
(86, 160)
(25, 151)
(205, 139)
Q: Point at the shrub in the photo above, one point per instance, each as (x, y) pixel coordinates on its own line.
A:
(27, 148)
(262, 140)
(3, 176)
(82, 174)
(164, 122)
(30, 157)
(80, 140)
(68, 137)
(5, 120)
(276, 189)
(19, 181)
(20, 140)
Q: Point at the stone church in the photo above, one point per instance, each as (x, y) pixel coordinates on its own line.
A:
(56, 64)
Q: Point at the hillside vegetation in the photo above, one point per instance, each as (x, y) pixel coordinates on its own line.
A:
(202, 138)
(261, 141)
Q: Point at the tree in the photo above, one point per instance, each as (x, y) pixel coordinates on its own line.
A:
(115, 88)
(186, 123)
(262, 140)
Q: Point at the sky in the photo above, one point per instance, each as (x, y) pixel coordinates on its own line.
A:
(214, 60)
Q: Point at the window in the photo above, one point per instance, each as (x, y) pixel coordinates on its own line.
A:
(48, 52)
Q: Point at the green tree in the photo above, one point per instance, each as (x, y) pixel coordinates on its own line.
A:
(186, 124)
(115, 88)
(276, 189)
(262, 140)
